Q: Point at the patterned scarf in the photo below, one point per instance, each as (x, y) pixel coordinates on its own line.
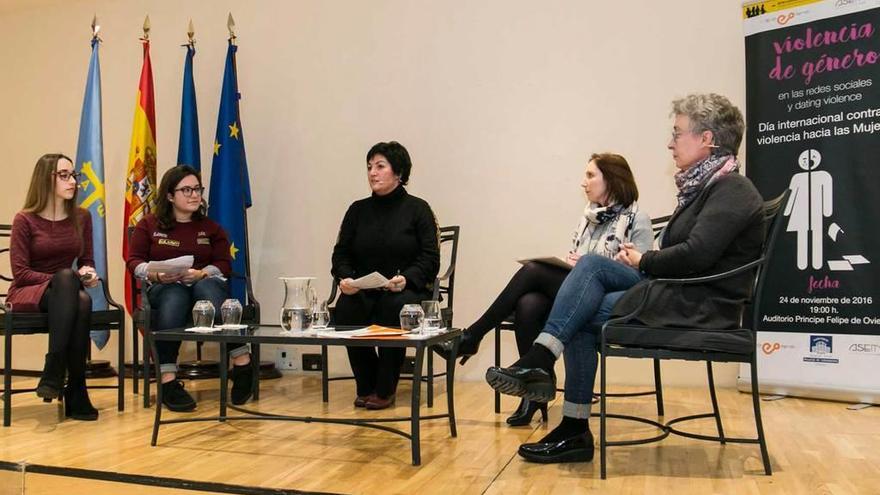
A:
(613, 224)
(692, 180)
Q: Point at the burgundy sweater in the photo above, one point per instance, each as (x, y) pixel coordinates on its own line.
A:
(38, 248)
(205, 239)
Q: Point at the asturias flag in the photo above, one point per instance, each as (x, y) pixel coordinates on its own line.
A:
(230, 193)
(140, 179)
(188, 146)
(90, 163)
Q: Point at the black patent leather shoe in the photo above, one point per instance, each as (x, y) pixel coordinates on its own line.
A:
(468, 346)
(523, 414)
(578, 448)
(534, 384)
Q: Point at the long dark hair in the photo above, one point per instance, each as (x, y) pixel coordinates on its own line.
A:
(164, 208)
(41, 191)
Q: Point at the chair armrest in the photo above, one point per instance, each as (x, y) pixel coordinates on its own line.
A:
(449, 271)
(680, 281)
(333, 289)
(108, 297)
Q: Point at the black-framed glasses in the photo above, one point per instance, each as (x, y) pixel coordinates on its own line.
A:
(65, 175)
(189, 191)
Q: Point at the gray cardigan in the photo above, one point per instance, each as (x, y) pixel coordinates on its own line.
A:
(721, 229)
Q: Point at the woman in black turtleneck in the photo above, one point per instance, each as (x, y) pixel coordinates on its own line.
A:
(394, 234)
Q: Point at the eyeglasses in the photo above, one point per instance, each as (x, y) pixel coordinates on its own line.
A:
(678, 134)
(66, 176)
(189, 191)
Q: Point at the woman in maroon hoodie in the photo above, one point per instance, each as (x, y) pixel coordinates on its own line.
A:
(48, 235)
(179, 227)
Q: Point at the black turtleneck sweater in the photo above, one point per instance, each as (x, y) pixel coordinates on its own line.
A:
(391, 234)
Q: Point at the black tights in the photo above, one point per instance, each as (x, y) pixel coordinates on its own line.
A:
(529, 296)
(70, 312)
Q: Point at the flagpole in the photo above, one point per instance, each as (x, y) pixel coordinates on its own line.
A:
(230, 25)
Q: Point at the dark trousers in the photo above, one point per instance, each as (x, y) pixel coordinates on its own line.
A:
(375, 370)
(173, 304)
(69, 309)
(528, 296)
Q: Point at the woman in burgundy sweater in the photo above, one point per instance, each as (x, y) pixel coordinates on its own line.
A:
(48, 235)
(180, 227)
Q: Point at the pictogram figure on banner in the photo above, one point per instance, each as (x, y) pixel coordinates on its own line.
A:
(812, 200)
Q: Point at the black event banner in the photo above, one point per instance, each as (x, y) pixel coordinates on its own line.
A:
(813, 125)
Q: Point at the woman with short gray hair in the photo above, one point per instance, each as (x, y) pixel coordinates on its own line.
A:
(717, 225)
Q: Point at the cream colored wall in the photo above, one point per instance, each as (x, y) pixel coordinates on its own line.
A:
(499, 102)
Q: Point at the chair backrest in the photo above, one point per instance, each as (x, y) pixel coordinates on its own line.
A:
(444, 284)
(773, 220)
(6, 234)
(657, 225)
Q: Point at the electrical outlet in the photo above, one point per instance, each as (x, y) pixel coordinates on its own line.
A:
(311, 362)
(286, 358)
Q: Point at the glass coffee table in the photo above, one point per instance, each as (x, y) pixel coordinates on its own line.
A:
(256, 335)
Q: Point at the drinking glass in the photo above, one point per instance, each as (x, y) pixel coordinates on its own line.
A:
(411, 316)
(230, 312)
(203, 314)
(320, 315)
(433, 321)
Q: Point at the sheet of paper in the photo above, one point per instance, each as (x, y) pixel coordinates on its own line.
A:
(374, 280)
(547, 260)
(171, 266)
(202, 329)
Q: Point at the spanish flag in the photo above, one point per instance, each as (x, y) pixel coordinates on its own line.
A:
(140, 179)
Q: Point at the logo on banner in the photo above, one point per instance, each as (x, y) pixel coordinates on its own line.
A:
(847, 3)
(821, 350)
(769, 348)
(865, 348)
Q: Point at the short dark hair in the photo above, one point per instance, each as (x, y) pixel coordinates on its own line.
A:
(164, 210)
(618, 177)
(397, 157)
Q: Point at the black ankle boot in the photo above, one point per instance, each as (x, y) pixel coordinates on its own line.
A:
(242, 383)
(77, 404)
(469, 345)
(527, 408)
(52, 379)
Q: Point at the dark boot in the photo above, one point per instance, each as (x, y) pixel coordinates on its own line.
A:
(523, 414)
(242, 383)
(77, 404)
(52, 379)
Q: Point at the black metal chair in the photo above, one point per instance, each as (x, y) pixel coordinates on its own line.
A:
(657, 224)
(620, 337)
(15, 323)
(143, 318)
(444, 291)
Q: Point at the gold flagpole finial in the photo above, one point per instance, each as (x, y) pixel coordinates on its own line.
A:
(191, 33)
(95, 27)
(146, 28)
(230, 24)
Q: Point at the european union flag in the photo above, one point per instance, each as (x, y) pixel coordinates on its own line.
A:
(188, 146)
(230, 193)
(90, 163)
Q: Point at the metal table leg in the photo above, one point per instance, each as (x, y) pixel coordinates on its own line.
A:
(414, 408)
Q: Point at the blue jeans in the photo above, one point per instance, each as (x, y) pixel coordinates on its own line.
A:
(583, 303)
(173, 305)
